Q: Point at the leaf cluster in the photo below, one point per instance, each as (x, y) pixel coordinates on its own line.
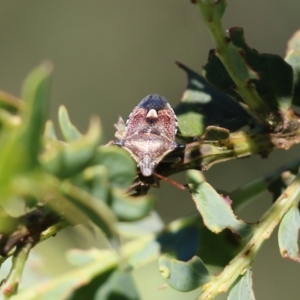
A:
(242, 106)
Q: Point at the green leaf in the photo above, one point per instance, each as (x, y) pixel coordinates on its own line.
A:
(80, 257)
(35, 93)
(182, 240)
(9, 120)
(49, 133)
(293, 59)
(89, 290)
(271, 76)
(288, 234)
(130, 208)
(214, 133)
(203, 105)
(21, 144)
(114, 284)
(119, 286)
(150, 253)
(10, 102)
(97, 211)
(184, 276)
(96, 182)
(64, 160)
(100, 263)
(121, 168)
(210, 245)
(61, 287)
(294, 42)
(69, 131)
(242, 289)
(214, 209)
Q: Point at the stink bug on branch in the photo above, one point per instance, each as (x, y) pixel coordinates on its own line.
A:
(149, 134)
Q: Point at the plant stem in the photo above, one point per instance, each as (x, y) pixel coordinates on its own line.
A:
(233, 62)
(13, 279)
(201, 155)
(204, 154)
(262, 231)
(44, 235)
(53, 230)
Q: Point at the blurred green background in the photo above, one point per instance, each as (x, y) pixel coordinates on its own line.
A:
(108, 55)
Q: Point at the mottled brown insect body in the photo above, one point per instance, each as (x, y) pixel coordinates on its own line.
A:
(150, 133)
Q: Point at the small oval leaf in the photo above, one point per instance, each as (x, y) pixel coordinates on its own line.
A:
(214, 209)
(288, 234)
(214, 133)
(242, 289)
(293, 59)
(184, 276)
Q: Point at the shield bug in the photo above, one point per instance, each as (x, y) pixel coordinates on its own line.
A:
(149, 133)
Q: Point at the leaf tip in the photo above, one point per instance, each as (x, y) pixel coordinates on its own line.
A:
(165, 272)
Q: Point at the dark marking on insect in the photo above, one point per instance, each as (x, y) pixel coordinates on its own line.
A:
(149, 133)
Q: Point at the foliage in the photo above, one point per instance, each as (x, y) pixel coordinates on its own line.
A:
(246, 109)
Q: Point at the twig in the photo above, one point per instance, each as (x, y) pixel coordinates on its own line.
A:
(34, 230)
(202, 154)
(11, 283)
(233, 62)
(262, 231)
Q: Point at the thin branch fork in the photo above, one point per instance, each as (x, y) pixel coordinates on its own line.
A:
(202, 154)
